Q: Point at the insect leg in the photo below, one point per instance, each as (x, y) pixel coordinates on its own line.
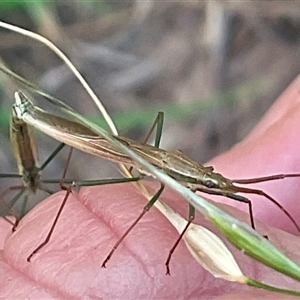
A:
(228, 195)
(145, 209)
(68, 190)
(262, 193)
(190, 220)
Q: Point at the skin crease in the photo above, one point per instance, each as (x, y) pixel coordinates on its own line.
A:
(69, 266)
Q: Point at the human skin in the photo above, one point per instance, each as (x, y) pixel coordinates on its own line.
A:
(69, 266)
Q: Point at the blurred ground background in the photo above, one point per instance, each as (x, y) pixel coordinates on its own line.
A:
(213, 67)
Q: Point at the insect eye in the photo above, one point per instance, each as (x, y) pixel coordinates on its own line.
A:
(210, 184)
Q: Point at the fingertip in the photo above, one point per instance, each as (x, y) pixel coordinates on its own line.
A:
(5, 231)
(283, 107)
(271, 148)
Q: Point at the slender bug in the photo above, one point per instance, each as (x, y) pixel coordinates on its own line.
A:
(174, 163)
